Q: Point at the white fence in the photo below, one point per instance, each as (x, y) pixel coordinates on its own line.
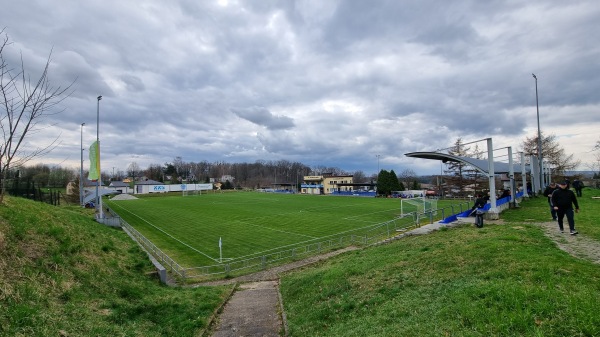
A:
(143, 189)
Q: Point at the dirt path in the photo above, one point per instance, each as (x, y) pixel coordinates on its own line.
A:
(579, 245)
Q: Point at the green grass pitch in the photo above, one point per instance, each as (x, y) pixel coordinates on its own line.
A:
(249, 223)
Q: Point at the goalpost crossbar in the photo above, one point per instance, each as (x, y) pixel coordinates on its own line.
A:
(419, 205)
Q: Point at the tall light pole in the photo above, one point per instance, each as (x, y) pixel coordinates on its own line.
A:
(81, 170)
(98, 197)
(541, 176)
(377, 174)
(441, 191)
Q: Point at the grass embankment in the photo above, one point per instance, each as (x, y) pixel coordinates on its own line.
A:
(63, 274)
(502, 280)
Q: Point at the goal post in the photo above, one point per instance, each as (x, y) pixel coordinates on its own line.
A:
(187, 193)
(430, 205)
(419, 205)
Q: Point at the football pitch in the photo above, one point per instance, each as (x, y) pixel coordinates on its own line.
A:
(248, 224)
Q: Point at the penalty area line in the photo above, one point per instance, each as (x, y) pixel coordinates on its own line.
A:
(169, 235)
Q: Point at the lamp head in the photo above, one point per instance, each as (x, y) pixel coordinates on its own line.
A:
(99, 97)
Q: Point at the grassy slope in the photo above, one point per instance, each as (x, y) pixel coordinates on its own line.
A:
(61, 273)
(586, 221)
(502, 280)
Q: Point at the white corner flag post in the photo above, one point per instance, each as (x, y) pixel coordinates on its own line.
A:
(220, 251)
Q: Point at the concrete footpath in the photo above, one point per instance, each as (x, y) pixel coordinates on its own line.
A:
(256, 308)
(253, 310)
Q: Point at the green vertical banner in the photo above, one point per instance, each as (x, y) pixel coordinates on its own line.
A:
(94, 161)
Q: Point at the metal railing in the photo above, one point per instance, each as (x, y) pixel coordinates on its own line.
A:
(164, 259)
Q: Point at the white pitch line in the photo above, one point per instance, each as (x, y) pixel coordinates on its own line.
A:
(169, 235)
(365, 214)
(307, 241)
(277, 230)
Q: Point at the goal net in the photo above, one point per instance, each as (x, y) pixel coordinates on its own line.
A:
(418, 205)
(187, 193)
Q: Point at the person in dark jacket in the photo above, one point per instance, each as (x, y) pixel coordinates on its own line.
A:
(563, 200)
(548, 192)
(578, 186)
(480, 202)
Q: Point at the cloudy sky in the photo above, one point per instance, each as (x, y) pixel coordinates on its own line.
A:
(331, 83)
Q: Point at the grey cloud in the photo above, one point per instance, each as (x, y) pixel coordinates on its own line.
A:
(322, 82)
(71, 66)
(133, 83)
(263, 117)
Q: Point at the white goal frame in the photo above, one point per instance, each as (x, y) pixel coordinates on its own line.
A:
(423, 204)
(186, 193)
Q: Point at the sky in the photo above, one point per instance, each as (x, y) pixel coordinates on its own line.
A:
(348, 84)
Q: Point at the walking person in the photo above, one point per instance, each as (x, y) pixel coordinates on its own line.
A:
(578, 186)
(548, 192)
(563, 200)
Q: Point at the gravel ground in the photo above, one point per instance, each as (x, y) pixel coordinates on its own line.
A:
(579, 245)
(123, 196)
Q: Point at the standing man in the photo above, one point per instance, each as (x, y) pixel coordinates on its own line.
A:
(548, 192)
(578, 186)
(563, 200)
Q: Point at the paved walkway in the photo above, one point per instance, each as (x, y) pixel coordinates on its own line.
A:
(253, 310)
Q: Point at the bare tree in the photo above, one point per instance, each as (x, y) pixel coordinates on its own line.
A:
(134, 170)
(407, 177)
(474, 177)
(456, 170)
(154, 172)
(595, 165)
(24, 105)
(552, 152)
(359, 177)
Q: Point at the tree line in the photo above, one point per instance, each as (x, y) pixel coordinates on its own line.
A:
(263, 173)
(259, 174)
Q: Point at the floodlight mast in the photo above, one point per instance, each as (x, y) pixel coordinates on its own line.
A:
(81, 169)
(98, 197)
(541, 174)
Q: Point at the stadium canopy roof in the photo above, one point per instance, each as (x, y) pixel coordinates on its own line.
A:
(480, 164)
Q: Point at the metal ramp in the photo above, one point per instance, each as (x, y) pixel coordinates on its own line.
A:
(90, 194)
